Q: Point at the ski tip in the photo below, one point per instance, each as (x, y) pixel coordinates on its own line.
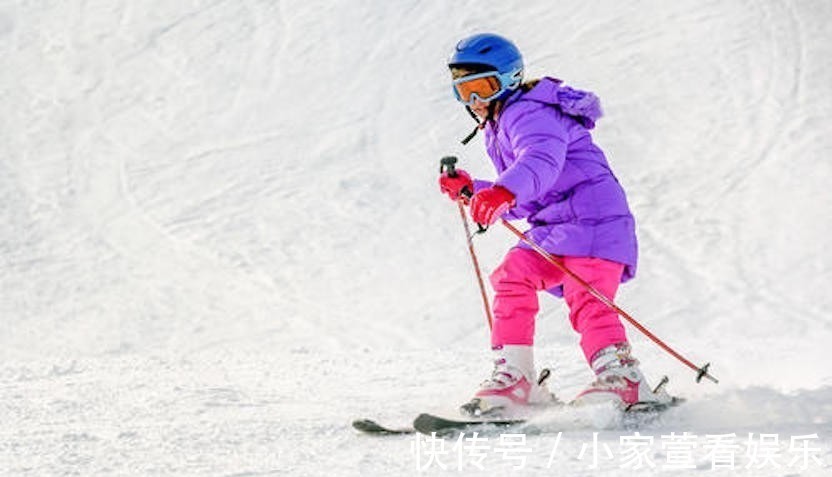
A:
(428, 424)
(369, 426)
(650, 407)
(364, 424)
(422, 419)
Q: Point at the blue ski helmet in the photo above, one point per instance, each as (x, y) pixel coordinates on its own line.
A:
(489, 52)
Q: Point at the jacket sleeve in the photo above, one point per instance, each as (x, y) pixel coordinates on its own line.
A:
(538, 139)
(480, 184)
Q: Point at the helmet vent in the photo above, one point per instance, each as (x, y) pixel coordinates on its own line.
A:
(485, 50)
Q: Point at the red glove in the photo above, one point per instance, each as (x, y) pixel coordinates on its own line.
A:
(489, 204)
(453, 186)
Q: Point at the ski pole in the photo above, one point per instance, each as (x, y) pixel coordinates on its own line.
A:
(449, 163)
(702, 372)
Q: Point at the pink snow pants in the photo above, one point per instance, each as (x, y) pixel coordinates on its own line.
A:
(523, 273)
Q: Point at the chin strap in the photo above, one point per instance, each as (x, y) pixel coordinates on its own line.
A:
(468, 138)
(492, 107)
(472, 113)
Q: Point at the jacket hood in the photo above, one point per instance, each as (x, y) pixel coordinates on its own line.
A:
(584, 106)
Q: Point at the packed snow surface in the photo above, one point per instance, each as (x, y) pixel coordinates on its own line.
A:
(222, 238)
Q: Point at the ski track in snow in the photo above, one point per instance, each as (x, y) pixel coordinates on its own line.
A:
(222, 240)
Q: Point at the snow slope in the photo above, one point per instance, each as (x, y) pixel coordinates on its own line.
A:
(222, 238)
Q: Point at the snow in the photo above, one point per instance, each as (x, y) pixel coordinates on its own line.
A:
(222, 239)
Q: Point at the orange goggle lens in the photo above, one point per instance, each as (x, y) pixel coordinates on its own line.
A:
(484, 87)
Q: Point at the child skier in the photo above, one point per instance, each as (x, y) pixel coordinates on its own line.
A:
(551, 173)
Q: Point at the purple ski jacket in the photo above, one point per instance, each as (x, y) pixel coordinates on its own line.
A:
(543, 152)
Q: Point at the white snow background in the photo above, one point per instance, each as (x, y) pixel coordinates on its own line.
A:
(222, 238)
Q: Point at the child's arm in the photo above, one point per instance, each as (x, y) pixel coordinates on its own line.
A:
(539, 141)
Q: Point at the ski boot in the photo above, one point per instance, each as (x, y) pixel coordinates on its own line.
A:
(620, 381)
(511, 385)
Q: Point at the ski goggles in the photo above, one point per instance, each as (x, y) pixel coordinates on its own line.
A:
(482, 86)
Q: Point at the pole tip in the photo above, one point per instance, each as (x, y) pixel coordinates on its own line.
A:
(703, 373)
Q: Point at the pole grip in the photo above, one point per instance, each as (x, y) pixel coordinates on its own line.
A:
(448, 163)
